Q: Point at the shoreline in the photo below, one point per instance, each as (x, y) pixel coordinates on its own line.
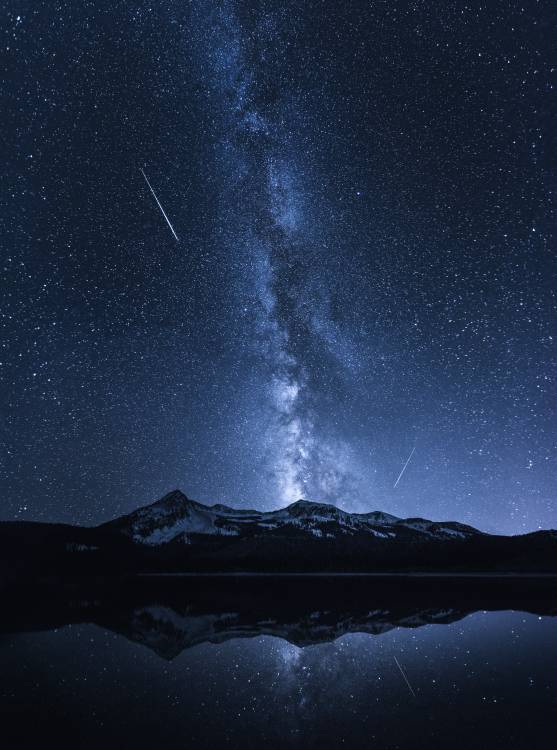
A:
(243, 574)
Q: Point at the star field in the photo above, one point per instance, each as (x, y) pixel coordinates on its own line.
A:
(364, 199)
(480, 674)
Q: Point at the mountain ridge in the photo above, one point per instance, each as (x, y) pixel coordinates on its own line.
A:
(176, 515)
(175, 534)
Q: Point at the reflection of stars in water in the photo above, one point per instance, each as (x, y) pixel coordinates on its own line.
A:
(289, 654)
(405, 676)
(256, 691)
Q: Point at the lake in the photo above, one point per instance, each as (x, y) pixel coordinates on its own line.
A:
(281, 663)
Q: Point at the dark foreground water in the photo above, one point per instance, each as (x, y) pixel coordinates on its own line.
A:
(281, 664)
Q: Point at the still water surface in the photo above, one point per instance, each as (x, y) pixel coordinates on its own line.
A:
(162, 675)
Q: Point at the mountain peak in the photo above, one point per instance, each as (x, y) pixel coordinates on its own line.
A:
(308, 509)
(310, 504)
(174, 496)
(302, 502)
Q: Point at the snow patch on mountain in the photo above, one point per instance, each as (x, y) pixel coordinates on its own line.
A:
(176, 518)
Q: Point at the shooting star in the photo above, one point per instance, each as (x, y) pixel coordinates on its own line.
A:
(159, 205)
(404, 467)
(403, 673)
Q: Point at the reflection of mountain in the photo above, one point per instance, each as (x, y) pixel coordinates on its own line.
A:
(178, 534)
(169, 615)
(168, 632)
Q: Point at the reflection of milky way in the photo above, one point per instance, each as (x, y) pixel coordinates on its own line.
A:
(271, 222)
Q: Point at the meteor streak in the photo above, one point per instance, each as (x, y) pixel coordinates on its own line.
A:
(404, 467)
(159, 205)
(403, 673)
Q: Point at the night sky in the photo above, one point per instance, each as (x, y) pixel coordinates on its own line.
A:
(363, 198)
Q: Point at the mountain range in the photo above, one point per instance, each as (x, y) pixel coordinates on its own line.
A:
(176, 534)
(175, 518)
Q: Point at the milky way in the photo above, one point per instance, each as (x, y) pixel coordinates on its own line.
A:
(364, 199)
(274, 237)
